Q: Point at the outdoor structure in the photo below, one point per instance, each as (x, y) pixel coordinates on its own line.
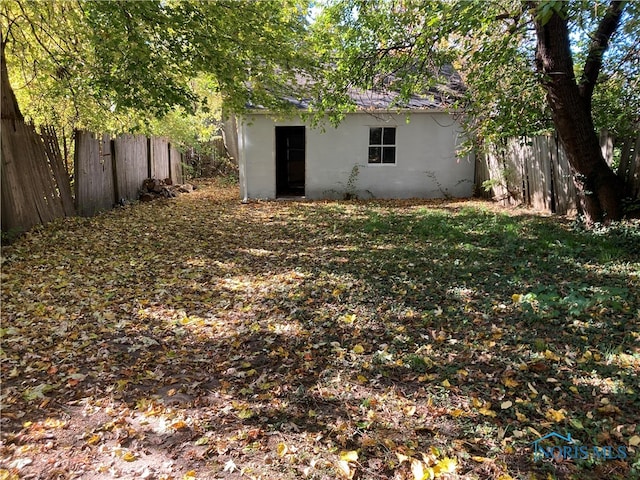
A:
(379, 151)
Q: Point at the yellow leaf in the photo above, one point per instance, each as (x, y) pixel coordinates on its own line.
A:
(505, 476)
(446, 465)
(358, 349)
(445, 383)
(282, 449)
(190, 475)
(7, 475)
(487, 412)
(555, 415)
(54, 423)
(516, 297)
(129, 457)
(362, 379)
(476, 402)
(349, 318)
(549, 355)
(458, 412)
(521, 417)
(349, 456)
(94, 439)
(634, 441)
(344, 469)
(507, 404)
(510, 382)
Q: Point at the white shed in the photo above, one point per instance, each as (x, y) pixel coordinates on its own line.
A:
(373, 153)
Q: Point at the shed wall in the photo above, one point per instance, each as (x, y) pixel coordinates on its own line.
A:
(426, 162)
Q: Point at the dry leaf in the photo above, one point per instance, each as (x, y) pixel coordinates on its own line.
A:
(417, 469)
(282, 449)
(349, 456)
(344, 469)
(555, 415)
(446, 465)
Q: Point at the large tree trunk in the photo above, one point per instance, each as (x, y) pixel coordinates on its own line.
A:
(9, 106)
(598, 186)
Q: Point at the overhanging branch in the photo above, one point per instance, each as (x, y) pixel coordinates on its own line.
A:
(607, 27)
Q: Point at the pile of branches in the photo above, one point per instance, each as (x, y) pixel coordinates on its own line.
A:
(152, 189)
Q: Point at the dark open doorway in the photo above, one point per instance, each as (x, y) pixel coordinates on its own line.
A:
(290, 161)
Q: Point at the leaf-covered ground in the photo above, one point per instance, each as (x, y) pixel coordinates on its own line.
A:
(203, 338)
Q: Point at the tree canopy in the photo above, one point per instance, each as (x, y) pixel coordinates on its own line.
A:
(118, 64)
(387, 44)
(507, 52)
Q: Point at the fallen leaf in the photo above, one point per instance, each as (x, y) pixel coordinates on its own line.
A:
(282, 449)
(349, 456)
(230, 466)
(446, 465)
(417, 469)
(129, 457)
(555, 415)
(509, 382)
(487, 412)
(344, 469)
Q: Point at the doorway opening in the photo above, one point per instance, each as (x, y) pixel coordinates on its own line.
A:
(290, 161)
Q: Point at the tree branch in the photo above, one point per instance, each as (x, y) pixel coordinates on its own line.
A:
(607, 27)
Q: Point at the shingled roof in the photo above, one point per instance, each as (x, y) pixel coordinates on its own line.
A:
(440, 96)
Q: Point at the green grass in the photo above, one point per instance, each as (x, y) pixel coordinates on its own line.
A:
(282, 334)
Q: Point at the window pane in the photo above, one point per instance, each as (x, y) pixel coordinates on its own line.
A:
(389, 155)
(389, 136)
(375, 136)
(375, 154)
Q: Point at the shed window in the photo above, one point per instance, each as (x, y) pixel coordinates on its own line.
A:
(382, 145)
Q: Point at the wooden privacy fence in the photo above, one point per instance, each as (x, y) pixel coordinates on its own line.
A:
(35, 185)
(108, 171)
(535, 171)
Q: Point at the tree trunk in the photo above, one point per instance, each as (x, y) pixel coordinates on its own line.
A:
(599, 188)
(9, 106)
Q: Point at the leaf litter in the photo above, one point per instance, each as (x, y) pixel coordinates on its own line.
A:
(204, 338)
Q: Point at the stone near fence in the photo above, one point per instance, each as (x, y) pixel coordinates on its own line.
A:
(152, 189)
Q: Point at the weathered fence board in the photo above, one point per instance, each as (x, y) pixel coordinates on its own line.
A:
(131, 165)
(536, 171)
(175, 161)
(564, 188)
(94, 186)
(60, 174)
(159, 157)
(30, 193)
